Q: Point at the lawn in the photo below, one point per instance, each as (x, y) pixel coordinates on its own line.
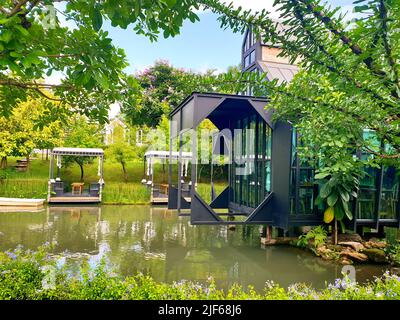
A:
(33, 182)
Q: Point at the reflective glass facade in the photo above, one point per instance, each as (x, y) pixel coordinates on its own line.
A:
(251, 168)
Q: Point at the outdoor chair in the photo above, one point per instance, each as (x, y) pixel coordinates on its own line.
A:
(59, 188)
(156, 191)
(94, 189)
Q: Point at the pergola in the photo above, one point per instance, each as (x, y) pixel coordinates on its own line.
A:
(56, 192)
(269, 183)
(159, 192)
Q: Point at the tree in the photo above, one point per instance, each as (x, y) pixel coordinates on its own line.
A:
(82, 133)
(7, 141)
(162, 88)
(31, 125)
(351, 72)
(34, 43)
(121, 151)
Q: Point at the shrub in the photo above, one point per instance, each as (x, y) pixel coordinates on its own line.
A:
(315, 237)
(22, 275)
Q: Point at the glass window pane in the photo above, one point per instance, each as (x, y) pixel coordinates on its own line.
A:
(187, 115)
(389, 194)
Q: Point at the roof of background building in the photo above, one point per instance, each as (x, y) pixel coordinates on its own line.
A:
(282, 71)
(281, 30)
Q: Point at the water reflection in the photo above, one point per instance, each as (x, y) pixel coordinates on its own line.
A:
(157, 242)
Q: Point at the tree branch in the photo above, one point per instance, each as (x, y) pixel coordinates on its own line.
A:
(17, 8)
(386, 44)
(383, 156)
(356, 49)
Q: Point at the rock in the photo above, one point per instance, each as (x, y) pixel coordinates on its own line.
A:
(375, 244)
(354, 256)
(345, 261)
(278, 241)
(346, 237)
(352, 244)
(325, 253)
(375, 255)
(335, 247)
(395, 271)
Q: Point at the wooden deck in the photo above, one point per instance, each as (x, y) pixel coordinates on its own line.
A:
(74, 199)
(17, 202)
(164, 200)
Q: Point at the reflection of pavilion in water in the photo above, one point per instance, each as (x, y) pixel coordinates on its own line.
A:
(244, 266)
(157, 242)
(78, 228)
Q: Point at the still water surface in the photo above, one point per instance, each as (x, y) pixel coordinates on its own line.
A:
(156, 241)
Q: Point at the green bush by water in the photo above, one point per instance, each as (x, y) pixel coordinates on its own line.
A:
(23, 273)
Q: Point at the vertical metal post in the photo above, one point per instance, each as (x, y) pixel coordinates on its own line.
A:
(50, 178)
(179, 163)
(194, 164)
(378, 196)
(101, 178)
(297, 180)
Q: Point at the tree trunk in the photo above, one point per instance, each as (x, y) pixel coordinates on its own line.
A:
(335, 232)
(81, 167)
(27, 161)
(3, 163)
(47, 154)
(124, 170)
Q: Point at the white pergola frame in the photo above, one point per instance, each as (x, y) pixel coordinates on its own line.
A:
(58, 153)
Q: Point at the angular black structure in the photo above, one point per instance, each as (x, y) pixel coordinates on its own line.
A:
(267, 182)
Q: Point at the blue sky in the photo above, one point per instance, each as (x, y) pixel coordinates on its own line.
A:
(200, 46)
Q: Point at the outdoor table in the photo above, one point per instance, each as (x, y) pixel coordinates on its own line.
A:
(164, 188)
(77, 187)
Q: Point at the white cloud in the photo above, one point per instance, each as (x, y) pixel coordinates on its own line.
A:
(55, 78)
(256, 5)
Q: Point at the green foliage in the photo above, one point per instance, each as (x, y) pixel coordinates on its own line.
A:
(315, 237)
(337, 189)
(162, 88)
(82, 133)
(30, 126)
(22, 275)
(394, 253)
(121, 151)
(34, 43)
(351, 73)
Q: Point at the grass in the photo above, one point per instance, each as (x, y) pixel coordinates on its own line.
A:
(33, 183)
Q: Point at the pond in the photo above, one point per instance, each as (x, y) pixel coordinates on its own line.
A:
(157, 242)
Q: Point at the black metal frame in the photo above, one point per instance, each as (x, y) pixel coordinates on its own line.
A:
(274, 210)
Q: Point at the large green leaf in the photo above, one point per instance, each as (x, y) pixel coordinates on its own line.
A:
(345, 196)
(170, 3)
(97, 19)
(321, 175)
(332, 199)
(346, 210)
(339, 212)
(325, 190)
